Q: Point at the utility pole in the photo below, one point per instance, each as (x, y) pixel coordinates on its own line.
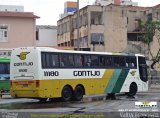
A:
(78, 41)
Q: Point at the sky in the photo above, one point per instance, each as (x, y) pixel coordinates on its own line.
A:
(49, 10)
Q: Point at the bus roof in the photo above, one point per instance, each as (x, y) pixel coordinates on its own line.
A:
(49, 49)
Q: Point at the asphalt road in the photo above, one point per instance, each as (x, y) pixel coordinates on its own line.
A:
(96, 106)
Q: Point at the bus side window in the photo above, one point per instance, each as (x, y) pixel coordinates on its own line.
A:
(48, 64)
(62, 60)
(87, 60)
(102, 61)
(78, 60)
(108, 61)
(94, 60)
(54, 60)
(70, 60)
(122, 62)
(43, 60)
(116, 61)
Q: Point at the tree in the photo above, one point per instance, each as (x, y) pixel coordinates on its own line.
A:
(151, 29)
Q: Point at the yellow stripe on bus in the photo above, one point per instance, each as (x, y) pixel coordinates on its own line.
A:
(53, 88)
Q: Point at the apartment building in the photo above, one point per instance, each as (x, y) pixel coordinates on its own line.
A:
(112, 28)
(116, 2)
(100, 28)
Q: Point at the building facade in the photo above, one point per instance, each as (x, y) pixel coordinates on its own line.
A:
(116, 2)
(134, 16)
(112, 28)
(100, 28)
(17, 29)
(46, 35)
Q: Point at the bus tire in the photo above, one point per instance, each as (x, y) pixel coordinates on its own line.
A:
(67, 93)
(132, 89)
(78, 93)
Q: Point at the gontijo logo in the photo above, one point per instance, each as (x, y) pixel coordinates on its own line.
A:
(133, 73)
(146, 104)
(22, 55)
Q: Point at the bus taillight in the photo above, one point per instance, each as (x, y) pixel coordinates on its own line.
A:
(37, 83)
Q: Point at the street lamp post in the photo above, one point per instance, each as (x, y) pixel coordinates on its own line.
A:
(78, 41)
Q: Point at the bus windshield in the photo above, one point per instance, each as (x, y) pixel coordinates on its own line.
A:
(4, 71)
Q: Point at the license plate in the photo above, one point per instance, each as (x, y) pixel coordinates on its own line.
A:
(25, 85)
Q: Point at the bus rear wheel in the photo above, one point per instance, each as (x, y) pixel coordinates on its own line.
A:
(67, 93)
(78, 93)
(132, 90)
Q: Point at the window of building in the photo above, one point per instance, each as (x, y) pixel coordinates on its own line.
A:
(85, 19)
(97, 38)
(37, 35)
(3, 33)
(96, 18)
(75, 23)
(68, 26)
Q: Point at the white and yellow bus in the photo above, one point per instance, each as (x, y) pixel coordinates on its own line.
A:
(41, 73)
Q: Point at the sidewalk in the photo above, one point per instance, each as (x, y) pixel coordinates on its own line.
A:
(8, 99)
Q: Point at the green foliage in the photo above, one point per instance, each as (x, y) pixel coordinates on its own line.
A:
(149, 29)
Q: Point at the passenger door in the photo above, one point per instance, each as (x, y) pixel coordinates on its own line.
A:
(143, 72)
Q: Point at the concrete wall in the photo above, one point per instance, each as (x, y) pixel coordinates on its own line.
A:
(110, 21)
(47, 37)
(21, 32)
(115, 30)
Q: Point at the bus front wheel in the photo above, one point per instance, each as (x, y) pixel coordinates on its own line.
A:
(78, 93)
(132, 90)
(67, 93)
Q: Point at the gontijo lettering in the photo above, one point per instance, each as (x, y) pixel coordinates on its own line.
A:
(23, 64)
(86, 73)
